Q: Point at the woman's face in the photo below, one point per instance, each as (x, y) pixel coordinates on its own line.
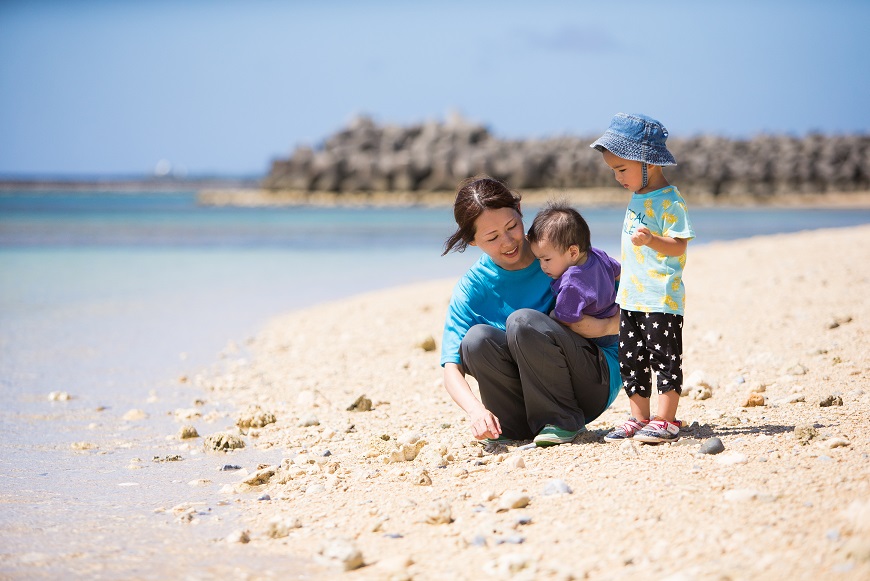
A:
(500, 234)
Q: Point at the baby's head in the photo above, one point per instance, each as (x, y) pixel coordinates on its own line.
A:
(631, 145)
(559, 238)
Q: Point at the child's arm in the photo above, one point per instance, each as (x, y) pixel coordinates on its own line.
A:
(661, 244)
(590, 327)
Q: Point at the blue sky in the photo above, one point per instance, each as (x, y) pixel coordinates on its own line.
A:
(111, 87)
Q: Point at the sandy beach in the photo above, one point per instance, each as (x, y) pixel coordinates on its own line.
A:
(777, 368)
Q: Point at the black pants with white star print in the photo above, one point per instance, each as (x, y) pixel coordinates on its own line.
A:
(650, 342)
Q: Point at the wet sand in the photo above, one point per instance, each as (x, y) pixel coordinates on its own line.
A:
(579, 197)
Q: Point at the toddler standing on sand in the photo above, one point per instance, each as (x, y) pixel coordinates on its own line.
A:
(655, 234)
(584, 277)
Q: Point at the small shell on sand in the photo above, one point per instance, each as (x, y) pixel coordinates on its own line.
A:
(59, 396)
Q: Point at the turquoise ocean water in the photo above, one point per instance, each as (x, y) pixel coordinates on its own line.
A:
(110, 297)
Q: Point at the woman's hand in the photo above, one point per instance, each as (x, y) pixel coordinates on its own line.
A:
(485, 425)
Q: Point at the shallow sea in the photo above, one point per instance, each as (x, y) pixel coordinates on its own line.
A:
(112, 296)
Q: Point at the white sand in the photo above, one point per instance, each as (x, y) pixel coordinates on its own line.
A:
(759, 318)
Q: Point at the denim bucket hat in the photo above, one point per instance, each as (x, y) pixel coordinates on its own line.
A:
(638, 138)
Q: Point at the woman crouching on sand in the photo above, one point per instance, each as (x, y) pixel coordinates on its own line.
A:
(538, 379)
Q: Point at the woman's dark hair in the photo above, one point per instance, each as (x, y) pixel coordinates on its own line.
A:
(475, 195)
(562, 226)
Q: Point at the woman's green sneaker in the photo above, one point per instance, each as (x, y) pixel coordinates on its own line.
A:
(552, 435)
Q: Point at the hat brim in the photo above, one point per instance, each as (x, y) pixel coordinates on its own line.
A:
(628, 149)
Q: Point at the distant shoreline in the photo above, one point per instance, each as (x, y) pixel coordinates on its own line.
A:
(118, 184)
(244, 192)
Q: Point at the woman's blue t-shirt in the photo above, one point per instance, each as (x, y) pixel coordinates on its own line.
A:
(488, 294)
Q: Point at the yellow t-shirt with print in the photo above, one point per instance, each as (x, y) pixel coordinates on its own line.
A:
(652, 282)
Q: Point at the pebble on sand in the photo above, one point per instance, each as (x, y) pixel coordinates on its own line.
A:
(187, 432)
(556, 486)
(805, 433)
(134, 415)
(831, 400)
(260, 477)
(745, 495)
(255, 417)
(510, 565)
(439, 513)
(59, 396)
(422, 478)
(754, 400)
(732, 459)
(511, 500)
(223, 441)
(280, 526)
(796, 369)
(238, 537)
(698, 386)
(360, 404)
(342, 553)
(187, 414)
(835, 443)
(308, 421)
(390, 451)
(712, 445)
(839, 320)
(629, 448)
(427, 343)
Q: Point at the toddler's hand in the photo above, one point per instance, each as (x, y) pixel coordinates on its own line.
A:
(641, 237)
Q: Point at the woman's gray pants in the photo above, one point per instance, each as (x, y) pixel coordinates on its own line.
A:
(536, 372)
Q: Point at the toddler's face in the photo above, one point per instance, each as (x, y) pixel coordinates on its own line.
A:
(628, 173)
(554, 262)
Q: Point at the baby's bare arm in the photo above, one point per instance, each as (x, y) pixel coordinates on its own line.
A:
(591, 327)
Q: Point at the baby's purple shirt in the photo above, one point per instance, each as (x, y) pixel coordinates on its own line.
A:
(588, 289)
